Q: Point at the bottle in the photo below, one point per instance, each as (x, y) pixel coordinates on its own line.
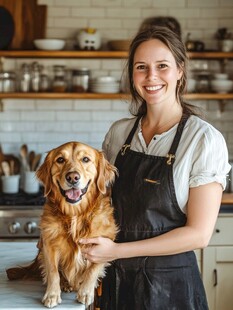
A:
(59, 81)
(80, 80)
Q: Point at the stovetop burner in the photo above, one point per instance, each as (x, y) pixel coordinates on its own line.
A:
(22, 199)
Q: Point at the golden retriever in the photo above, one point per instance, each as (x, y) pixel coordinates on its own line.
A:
(76, 179)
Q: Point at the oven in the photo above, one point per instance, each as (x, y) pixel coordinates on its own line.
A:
(20, 215)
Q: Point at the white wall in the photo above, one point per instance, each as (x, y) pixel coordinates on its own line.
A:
(43, 124)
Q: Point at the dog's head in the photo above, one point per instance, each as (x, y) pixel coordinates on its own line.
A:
(74, 168)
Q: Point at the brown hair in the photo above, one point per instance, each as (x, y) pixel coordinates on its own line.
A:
(177, 48)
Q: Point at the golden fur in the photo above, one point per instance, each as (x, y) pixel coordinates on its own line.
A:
(76, 179)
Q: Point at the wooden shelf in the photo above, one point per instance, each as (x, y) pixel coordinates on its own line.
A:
(63, 54)
(99, 54)
(63, 96)
(227, 198)
(103, 96)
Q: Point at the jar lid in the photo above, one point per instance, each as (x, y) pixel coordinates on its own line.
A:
(81, 71)
(7, 74)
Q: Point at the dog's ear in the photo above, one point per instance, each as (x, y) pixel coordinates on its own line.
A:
(44, 174)
(106, 173)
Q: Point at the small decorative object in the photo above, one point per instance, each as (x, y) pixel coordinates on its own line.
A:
(89, 39)
(194, 45)
(225, 41)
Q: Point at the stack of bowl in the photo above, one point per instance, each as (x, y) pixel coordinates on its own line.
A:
(105, 84)
(221, 83)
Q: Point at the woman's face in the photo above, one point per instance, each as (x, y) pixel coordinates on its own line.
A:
(155, 72)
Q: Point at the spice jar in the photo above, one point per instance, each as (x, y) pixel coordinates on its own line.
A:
(59, 82)
(35, 77)
(80, 80)
(7, 81)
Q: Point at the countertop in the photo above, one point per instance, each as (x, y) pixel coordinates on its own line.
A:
(22, 294)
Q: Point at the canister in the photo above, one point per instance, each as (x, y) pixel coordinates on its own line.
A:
(80, 80)
(7, 81)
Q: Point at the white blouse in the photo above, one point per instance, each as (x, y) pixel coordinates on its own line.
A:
(201, 157)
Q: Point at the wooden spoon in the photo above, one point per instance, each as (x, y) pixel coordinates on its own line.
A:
(36, 162)
(31, 157)
(5, 168)
(24, 155)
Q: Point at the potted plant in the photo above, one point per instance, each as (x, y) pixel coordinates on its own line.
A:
(224, 37)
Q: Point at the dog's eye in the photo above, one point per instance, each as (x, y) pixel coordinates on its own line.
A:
(85, 159)
(60, 160)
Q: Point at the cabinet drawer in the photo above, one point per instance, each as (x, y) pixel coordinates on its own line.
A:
(223, 231)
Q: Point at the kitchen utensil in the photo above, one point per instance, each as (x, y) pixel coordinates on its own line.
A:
(12, 167)
(6, 168)
(7, 28)
(36, 162)
(31, 157)
(10, 183)
(24, 157)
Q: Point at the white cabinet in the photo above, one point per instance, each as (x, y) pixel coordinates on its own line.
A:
(217, 265)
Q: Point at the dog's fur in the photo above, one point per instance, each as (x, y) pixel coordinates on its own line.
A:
(76, 179)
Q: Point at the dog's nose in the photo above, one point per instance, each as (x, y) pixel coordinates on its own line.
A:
(72, 177)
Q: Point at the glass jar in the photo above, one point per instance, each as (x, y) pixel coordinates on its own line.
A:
(7, 82)
(25, 78)
(203, 82)
(35, 77)
(44, 83)
(59, 84)
(80, 80)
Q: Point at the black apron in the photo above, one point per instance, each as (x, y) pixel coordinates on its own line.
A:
(145, 206)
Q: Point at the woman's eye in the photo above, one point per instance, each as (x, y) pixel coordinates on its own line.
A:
(85, 159)
(141, 67)
(60, 160)
(162, 66)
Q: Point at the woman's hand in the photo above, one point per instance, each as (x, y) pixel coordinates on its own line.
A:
(99, 250)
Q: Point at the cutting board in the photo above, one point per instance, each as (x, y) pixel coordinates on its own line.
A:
(30, 22)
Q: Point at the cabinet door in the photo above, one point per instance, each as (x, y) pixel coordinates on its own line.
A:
(218, 276)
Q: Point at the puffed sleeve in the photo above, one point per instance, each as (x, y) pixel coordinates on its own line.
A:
(210, 160)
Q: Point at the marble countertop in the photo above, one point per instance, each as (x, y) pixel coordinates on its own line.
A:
(22, 294)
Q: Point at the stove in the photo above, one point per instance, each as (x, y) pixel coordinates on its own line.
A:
(20, 215)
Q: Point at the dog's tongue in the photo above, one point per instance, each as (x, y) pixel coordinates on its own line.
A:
(73, 194)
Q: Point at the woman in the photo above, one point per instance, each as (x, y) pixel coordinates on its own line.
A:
(172, 170)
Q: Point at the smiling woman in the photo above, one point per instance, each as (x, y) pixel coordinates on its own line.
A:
(172, 170)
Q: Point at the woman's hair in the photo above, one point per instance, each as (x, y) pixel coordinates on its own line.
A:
(173, 42)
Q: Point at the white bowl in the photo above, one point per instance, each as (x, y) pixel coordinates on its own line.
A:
(191, 85)
(221, 86)
(49, 44)
(221, 76)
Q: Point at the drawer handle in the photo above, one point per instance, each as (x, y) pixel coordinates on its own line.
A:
(215, 277)
(217, 230)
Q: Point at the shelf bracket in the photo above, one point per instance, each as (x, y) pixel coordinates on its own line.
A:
(222, 103)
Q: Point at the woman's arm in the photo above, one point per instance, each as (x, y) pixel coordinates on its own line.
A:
(202, 211)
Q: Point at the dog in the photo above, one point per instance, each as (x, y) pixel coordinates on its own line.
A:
(77, 180)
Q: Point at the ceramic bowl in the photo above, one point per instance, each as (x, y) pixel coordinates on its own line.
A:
(49, 44)
(221, 86)
(221, 76)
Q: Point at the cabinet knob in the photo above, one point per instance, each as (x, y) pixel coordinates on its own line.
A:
(217, 230)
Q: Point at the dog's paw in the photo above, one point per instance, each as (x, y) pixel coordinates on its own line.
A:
(65, 286)
(51, 300)
(85, 295)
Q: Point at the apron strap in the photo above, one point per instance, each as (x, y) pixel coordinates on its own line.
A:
(171, 154)
(127, 144)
